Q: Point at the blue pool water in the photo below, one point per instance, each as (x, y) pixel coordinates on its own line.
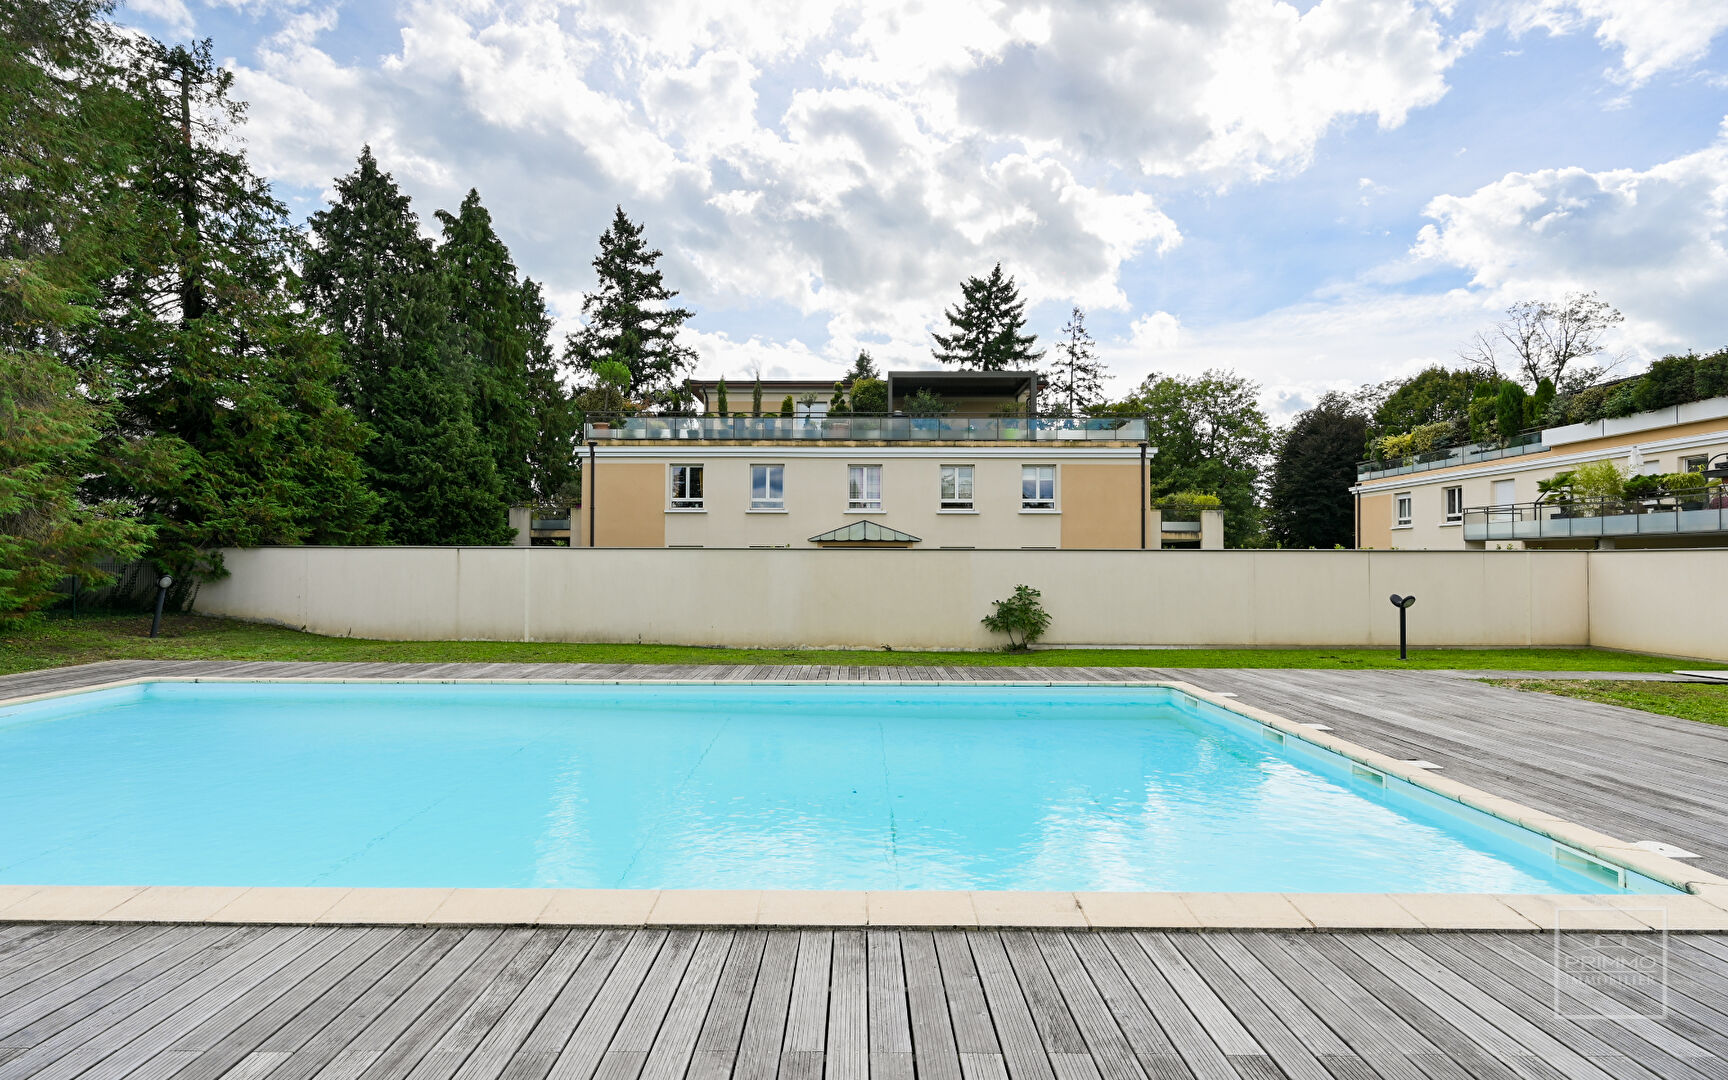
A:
(821, 787)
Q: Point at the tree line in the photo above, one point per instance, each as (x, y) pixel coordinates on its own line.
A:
(183, 368)
(1544, 365)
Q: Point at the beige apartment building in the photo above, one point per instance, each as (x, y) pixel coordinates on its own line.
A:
(990, 474)
(1487, 497)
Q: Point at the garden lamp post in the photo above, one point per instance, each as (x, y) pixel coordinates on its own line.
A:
(162, 584)
(1402, 603)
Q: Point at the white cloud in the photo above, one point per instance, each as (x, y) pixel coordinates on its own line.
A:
(1654, 242)
(849, 161)
(1652, 35)
(176, 20)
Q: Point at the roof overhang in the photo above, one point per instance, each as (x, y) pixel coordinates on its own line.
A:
(865, 532)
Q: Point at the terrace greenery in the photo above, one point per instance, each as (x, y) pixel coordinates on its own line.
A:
(57, 641)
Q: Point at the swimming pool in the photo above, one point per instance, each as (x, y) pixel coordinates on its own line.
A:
(725, 787)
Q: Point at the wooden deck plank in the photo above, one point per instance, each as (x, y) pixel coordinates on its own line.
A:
(847, 1045)
(589, 1040)
(675, 1043)
(291, 1003)
(934, 1054)
(765, 1025)
(1016, 1029)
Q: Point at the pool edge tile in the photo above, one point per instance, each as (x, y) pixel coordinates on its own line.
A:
(175, 903)
(1462, 911)
(492, 907)
(385, 907)
(814, 907)
(70, 903)
(1136, 911)
(1028, 909)
(598, 907)
(280, 904)
(1353, 911)
(1244, 911)
(706, 907)
(921, 909)
(15, 894)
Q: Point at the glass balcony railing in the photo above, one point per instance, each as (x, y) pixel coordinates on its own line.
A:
(1591, 519)
(1528, 443)
(868, 429)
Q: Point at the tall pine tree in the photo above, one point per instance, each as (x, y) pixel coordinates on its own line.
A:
(987, 327)
(629, 319)
(68, 221)
(376, 281)
(229, 432)
(1076, 384)
(521, 408)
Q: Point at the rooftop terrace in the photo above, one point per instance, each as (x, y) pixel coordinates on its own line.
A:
(867, 429)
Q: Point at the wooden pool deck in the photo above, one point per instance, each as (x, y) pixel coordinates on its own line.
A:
(205, 1001)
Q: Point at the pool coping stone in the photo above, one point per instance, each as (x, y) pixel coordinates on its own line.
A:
(1702, 908)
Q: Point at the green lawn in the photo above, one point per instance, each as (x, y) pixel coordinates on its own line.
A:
(1706, 703)
(60, 641)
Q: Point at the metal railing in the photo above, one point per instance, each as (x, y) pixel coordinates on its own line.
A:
(1660, 515)
(869, 428)
(1528, 443)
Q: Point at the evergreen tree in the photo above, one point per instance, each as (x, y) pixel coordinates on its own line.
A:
(756, 398)
(1308, 502)
(486, 303)
(375, 281)
(629, 319)
(862, 368)
(68, 221)
(1076, 384)
(229, 432)
(987, 327)
(554, 470)
(720, 404)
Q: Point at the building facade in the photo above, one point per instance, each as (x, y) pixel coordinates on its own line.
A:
(989, 474)
(1487, 497)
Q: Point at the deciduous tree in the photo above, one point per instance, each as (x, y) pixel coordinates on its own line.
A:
(1308, 501)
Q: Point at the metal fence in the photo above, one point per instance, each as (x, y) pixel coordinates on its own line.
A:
(1664, 515)
(1528, 443)
(870, 428)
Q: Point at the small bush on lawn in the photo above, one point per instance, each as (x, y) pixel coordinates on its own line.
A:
(1021, 614)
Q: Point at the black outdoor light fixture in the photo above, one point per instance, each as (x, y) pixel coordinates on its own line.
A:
(162, 584)
(1402, 603)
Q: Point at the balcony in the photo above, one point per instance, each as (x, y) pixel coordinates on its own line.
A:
(1528, 443)
(750, 429)
(1598, 519)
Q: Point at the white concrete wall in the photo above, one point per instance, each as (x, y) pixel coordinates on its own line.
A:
(934, 599)
(1660, 601)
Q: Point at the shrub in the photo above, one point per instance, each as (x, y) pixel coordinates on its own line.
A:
(1021, 614)
(1189, 500)
(1599, 480)
(786, 406)
(1641, 487)
(1509, 410)
(870, 396)
(1684, 481)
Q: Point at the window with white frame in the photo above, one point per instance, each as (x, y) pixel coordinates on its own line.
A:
(767, 487)
(1454, 504)
(956, 487)
(1401, 502)
(686, 487)
(864, 487)
(1038, 487)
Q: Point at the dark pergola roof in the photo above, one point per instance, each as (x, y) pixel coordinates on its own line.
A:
(864, 532)
(1006, 384)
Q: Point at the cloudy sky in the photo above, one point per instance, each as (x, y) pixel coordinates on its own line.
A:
(1315, 194)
